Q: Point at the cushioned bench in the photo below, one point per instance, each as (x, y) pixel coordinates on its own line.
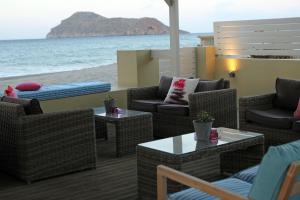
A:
(49, 92)
(239, 183)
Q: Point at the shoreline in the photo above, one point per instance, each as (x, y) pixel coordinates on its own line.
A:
(103, 36)
(106, 73)
(51, 73)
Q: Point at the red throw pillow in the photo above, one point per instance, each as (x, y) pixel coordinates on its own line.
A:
(180, 90)
(9, 92)
(297, 112)
(29, 86)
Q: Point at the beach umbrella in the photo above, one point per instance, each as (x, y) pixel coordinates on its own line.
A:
(174, 34)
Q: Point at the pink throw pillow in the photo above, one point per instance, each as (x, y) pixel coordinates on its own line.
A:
(9, 92)
(297, 112)
(29, 86)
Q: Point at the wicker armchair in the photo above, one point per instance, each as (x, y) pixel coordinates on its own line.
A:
(34, 147)
(273, 136)
(222, 104)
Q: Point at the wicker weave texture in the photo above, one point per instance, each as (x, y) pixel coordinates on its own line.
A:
(205, 164)
(222, 104)
(130, 131)
(35, 147)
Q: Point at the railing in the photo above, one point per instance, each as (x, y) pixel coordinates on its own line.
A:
(206, 40)
(187, 62)
(258, 38)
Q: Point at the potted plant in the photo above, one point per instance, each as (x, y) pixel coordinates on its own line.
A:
(109, 104)
(203, 125)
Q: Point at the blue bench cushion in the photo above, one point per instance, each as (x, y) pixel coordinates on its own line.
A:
(272, 170)
(247, 175)
(232, 184)
(49, 92)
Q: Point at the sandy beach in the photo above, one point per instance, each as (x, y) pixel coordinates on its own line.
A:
(106, 73)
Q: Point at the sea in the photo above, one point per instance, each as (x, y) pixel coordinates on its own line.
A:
(37, 56)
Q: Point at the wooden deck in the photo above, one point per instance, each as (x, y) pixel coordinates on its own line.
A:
(114, 178)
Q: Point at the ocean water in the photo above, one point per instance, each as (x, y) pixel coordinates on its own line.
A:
(24, 57)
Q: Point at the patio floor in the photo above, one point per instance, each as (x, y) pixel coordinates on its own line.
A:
(114, 178)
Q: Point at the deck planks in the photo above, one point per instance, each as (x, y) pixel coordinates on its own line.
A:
(114, 178)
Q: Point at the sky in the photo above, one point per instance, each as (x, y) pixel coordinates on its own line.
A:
(28, 19)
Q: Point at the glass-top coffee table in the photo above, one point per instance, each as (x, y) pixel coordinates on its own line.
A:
(129, 128)
(233, 151)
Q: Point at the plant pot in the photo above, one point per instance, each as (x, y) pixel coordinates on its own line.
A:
(109, 105)
(202, 130)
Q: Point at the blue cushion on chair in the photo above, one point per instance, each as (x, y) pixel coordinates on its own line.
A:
(232, 184)
(247, 175)
(272, 170)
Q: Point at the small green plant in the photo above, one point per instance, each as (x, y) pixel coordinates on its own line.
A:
(108, 97)
(204, 117)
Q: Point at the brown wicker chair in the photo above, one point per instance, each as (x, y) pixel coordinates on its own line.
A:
(34, 147)
(222, 104)
(272, 114)
(273, 136)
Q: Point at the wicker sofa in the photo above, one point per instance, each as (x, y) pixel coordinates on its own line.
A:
(272, 114)
(38, 146)
(169, 120)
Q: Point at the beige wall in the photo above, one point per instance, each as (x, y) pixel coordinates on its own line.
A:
(127, 68)
(256, 76)
(137, 69)
(253, 76)
(206, 61)
(85, 101)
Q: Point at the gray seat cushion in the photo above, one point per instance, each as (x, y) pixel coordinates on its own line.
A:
(287, 94)
(146, 105)
(296, 125)
(164, 86)
(173, 109)
(232, 184)
(206, 85)
(274, 118)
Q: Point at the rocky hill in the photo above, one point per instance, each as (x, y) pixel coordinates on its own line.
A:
(89, 24)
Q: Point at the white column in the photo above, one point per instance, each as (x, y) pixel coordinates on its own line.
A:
(177, 145)
(174, 34)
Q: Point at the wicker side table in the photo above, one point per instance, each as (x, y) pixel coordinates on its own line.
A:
(235, 150)
(130, 128)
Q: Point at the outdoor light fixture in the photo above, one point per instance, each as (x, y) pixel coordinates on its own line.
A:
(232, 67)
(231, 74)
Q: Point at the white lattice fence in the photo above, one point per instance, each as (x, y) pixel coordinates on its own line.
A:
(270, 37)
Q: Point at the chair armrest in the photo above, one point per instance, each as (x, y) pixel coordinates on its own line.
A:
(260, 102)
(9, 112)
(141, 93)
(164, 173)
(221, 104)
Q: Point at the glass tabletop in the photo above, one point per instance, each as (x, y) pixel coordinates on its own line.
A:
(124, 113)
(187, 143)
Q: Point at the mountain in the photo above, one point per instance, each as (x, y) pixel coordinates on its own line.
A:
(89, 24)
